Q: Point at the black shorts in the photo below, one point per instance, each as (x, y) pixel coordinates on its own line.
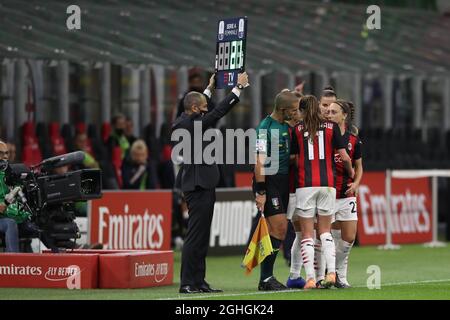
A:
(277, 194)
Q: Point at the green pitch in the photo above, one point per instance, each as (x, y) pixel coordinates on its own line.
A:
(413, 272)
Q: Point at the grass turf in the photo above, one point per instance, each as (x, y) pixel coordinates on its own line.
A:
(413, 272)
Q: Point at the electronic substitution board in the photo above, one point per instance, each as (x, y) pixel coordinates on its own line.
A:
(230, 51)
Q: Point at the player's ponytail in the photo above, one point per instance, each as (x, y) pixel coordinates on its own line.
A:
(312, 116)
(351, 118)
(348, 108)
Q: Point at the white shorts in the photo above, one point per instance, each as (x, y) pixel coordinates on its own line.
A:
(291, 206)
(312, 198)
(346, 209)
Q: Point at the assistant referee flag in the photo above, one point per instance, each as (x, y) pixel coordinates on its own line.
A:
(259, 248)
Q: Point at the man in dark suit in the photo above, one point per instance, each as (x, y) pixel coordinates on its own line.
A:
(196, 83)
(198, 182)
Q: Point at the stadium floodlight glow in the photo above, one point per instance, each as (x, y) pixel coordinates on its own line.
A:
(97, 65)
(52, 63)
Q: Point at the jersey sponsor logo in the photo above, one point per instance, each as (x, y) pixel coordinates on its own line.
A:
(337, 158)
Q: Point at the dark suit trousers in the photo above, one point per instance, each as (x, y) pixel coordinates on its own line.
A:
(200, 205)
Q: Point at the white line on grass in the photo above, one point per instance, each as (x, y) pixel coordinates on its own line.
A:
(203, 296)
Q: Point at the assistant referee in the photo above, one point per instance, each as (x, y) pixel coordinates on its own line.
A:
(271, 179)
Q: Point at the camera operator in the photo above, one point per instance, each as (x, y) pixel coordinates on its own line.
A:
(8, 226)
(14, 220)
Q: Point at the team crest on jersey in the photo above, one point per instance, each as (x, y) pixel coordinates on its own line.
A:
(276, 203)
(349, 146)
(261, 145)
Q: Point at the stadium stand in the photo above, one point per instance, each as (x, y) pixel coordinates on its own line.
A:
(135, 34)
(148, 32)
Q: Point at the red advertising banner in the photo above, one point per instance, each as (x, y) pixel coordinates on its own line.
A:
(34, 270)
(87, 269)
(131, 220)
(411, 210)
(138, 269)
(243, 179)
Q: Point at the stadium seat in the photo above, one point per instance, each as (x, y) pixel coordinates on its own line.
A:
(57, 142)
(152, 142)
(80, 127)
(106, 131)
(31, 154)
(68, 134)
(43, 139)
(97, 146)
(92, 131)
(28, 129)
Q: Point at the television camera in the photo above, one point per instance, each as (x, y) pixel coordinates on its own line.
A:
(50, 197)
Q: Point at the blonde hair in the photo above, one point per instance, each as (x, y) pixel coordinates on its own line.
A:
(285, 99)
(138, 145)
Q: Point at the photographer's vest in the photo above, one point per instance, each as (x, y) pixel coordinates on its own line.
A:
(12, 211)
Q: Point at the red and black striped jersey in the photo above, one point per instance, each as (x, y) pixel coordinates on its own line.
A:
(353, 147)
(315, 161)
(293, 180)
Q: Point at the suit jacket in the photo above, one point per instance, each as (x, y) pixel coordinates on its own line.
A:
(203, 175)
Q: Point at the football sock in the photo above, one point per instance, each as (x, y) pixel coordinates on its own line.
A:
(296, 257)
(307, 250)
(328, 251)
(342, 252)
(319, 260)
(336, 233)
(268, 262)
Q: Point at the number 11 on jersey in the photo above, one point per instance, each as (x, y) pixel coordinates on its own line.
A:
(321, 147)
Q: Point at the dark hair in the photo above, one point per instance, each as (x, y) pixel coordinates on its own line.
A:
(117, 117)
(191, 98)
(348, 108)
(328, 91)
(353, 129)
(312, 117)
(195, 76)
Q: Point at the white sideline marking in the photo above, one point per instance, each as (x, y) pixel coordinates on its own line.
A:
(203, 296)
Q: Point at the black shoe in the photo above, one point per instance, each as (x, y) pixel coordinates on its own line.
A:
(189, 289)
(341, 284)
(271, 285)
(206, 288)
(319, 285)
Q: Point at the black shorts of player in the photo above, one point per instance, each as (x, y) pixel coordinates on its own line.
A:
(277, 194)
